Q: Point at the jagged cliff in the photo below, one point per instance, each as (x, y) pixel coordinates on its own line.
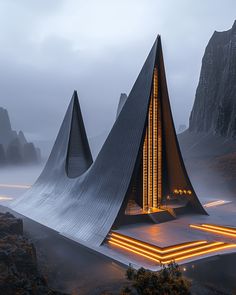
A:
(209, 145)
(214, 108)
(14, 148)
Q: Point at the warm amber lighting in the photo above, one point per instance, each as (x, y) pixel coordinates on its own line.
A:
(216, 229)
(155, 144)
(224, 228)
(202, 252)
(167, 254)
(172, 256)
(152, 152)
(136, 248)
(136, 252)
(14, 186)
(159, 138)
(158, 249)
(145, 172)
(182, 191)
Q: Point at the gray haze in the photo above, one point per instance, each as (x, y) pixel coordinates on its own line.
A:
(50, 48)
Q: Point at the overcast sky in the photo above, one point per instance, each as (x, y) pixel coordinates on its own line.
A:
(48, 48)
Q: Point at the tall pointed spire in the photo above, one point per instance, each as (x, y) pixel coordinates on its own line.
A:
(160, 177)
(70, 155)
(79, 157)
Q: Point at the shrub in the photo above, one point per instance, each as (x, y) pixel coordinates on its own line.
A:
(168, 281)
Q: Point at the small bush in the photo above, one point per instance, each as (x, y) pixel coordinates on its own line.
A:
(167, 281)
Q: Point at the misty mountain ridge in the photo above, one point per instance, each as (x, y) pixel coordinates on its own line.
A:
(209, 145)
(14, 147)
(214, 108)
(213, 117)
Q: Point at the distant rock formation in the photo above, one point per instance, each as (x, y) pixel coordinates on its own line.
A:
(123, 98)
(214, 108)
(209, 145)
(14, 148)
(182, 128)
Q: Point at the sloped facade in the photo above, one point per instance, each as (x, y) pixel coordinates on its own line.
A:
(82, 200)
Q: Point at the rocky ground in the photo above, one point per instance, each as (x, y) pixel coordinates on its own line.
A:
(19, 272)
(60, 261)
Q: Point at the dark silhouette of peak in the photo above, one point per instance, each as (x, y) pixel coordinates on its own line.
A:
(14, 152)
(2, 155)
(214, 108)
(30, 153)
(234, 26)
(22, 138)
(6, 134)
(5, 124)
(123, 98)
(14, 147)
(209, 144)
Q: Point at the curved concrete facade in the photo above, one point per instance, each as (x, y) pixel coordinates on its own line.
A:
(86, 205)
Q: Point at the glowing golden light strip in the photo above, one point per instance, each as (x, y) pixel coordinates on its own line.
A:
(173, 255)
(202, 253)
(136, 252)
(145, 172)
(180, 253)
(155, 143)
(159, 140)
(213, 230)
(128, 247)
(136, 248)
(5, 198)
(157, 249)
(150, 151)
(14, 186)
(230, 230)
(215, 203)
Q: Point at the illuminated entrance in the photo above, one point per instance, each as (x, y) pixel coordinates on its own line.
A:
(159, 180)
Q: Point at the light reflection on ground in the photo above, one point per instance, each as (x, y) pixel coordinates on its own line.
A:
(216, 203)
(5, 198)
(18, 186)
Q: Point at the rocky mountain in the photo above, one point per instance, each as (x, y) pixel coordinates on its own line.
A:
(214, 108)
(123, 98)
(209, 145)
(14, 148)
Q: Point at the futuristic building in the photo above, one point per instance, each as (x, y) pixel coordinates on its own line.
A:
(139, 174)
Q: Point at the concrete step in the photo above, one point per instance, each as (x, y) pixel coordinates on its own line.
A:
(167, 254)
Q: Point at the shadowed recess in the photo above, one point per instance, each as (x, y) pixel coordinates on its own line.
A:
(79, 157)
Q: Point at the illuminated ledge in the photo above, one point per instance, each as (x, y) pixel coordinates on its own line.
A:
(217, 229)
(167, 254)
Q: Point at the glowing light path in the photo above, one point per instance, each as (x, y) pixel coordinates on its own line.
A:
(167, 254)
(217, 229)
(18, 186)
